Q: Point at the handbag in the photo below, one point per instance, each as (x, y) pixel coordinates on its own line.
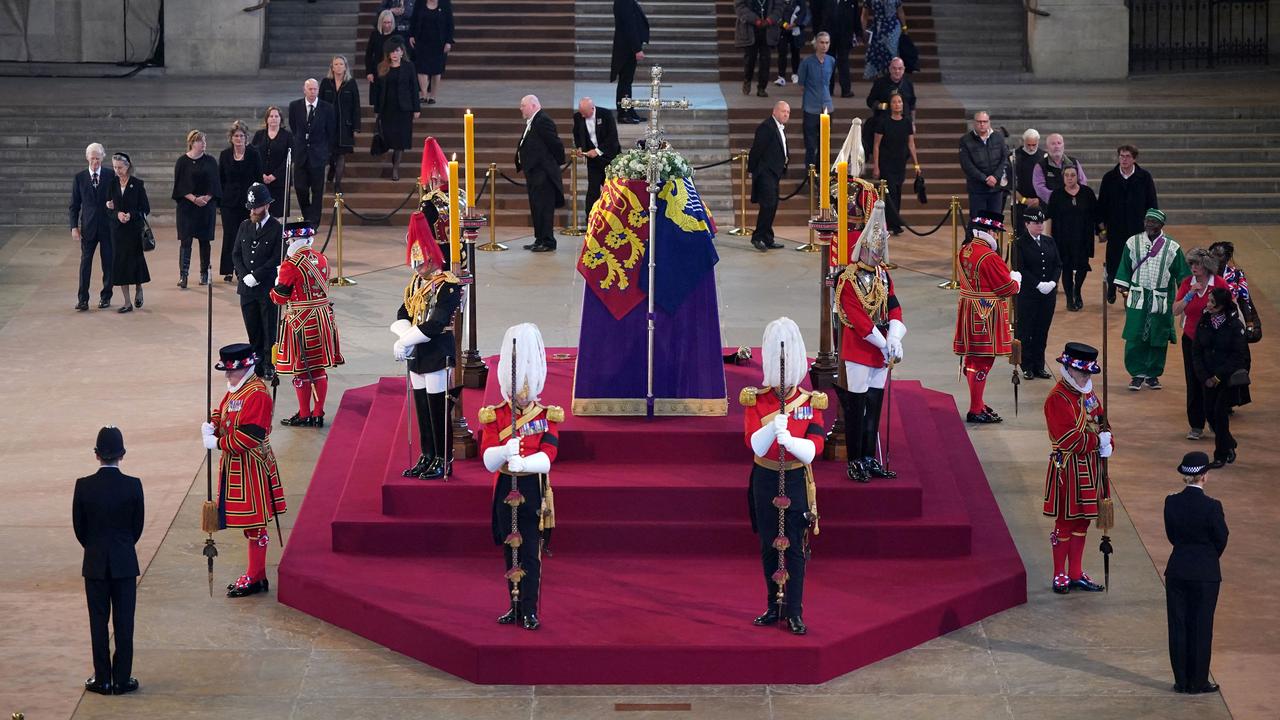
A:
(377, 146)
(1239, 378)
(148, 237)
(921, 195)
(1252, 323)
(909, 53)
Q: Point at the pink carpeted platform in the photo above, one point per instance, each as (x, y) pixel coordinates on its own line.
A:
(655, 575)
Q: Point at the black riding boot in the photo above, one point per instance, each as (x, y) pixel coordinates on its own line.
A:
(854, 406)
(424, 436)
(871, 435)
(441, 437)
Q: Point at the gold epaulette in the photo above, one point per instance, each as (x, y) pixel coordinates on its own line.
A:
(748, 396)
(818, 400)
(555, 413)
(486, 415)
(450, 277)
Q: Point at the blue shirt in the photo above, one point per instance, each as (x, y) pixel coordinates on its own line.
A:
(816, 80)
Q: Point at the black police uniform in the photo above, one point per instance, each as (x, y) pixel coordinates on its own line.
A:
(1038, 262)
(1197, 528)
(257, 252)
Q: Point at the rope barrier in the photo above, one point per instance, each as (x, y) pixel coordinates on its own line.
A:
(517, 183)
(379, 218)
(888, 201)
(714, 164)
(480, 195)
(803, 184)
(332, 219)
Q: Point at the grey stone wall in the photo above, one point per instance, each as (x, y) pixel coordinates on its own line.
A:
(78, 30)
(202, 37)
(1080, 40)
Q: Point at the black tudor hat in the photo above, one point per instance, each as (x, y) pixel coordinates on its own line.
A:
(110, 442)
(987, 220)
(235, 357)
(1081, 357)
(1194, 463)
(298, 229)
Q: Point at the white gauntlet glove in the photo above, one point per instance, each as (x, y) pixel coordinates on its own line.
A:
(250, 280)
(511, 448)
(1017, 277)
(515, 464)
(1104, 444)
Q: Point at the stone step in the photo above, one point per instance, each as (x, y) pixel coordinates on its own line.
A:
(294, 32)
(1161, 111)
(1070, 127)
(669, 72)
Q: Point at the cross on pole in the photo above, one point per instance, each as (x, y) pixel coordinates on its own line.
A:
(653, 144)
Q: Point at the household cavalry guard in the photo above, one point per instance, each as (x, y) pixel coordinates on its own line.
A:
(784, 429)
(862, 193)
(1076, 483)
(870, 344)
(250, 494)
(424, 331)
(982, 315)
(308, 344)
(518, 442)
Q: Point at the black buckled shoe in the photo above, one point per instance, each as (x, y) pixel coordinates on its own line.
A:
(435, 470)
(295, 421)
(770, 617)
(530, 622)
(317, 420)
(1061, 585)
(982, 418)
(508, 618)
(1086, 584)
(796, 625)
(875, 469)
(991, 411)
(857, 473)
(93, 686)
(417, 469)
(253, 588)
(130, 685)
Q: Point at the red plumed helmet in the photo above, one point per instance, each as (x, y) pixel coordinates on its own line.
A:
(434, 165)
(421, 244)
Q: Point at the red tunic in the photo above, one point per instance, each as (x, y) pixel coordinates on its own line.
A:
(535, 427)
(855, 319)
(249, 489)
(804, 416)
(1074, 483)
(309, 338)
(982, 318)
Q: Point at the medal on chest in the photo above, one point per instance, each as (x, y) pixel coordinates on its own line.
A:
(235, 405)
(804, 412)
(533, 427)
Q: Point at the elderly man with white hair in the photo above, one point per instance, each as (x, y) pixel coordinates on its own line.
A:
(1025, 160)
(89, 223)
(1047, 175)
(540, 155)
(314, 124)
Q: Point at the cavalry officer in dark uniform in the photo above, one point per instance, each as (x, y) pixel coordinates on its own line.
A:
(523, 505)
(1196, 527)
(785, 435)
(256, 257)
(107, 513)
(424, 328)
(1041, 267)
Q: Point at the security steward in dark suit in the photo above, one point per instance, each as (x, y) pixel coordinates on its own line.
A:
(539, 156)
(314, 124)
(767, 163)
(89, 224)
(256, 256)
(107, 514)
(1041, 267)
(1196, 527)
(630, 34)
(595, 134)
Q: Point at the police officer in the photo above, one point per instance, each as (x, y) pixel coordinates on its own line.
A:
(256, 256)
(1041, 268)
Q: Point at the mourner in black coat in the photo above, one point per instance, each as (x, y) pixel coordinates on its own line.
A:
(1122, 206)
(1197, 529)
(1041, 268)
(89, 223)
(630, 35)
(1218, 352)
(257, 256)
(345, 99)
(107, 513)
(845, 28)
(596, 135)
(539, 156)
(314, 125)
(128, 261)
(767, 164)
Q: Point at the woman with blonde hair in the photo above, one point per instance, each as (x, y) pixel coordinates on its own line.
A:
(272, 143)
(239, 166)
(197, 190)
(339, 90)
(383, 30)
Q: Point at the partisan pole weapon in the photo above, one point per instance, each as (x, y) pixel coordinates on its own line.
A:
(1106, 507)
(284, 221)
(514, 500)
(209, 511)
(781, 501)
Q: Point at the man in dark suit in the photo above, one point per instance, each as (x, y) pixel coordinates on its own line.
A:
(107, 514)
(539, 156)
(1127, 192)
(314, 124)
(630, 34)
(1196, 527)
(596, 135)
(767, 163)
(845, 27)
(256, 256)
(89, 223)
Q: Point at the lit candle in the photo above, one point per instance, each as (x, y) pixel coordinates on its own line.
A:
(842, 212)
(824, 163)
(469, 135)
(423, 180)
(455, 250)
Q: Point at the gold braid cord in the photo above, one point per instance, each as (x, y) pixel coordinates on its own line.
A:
(875, 299)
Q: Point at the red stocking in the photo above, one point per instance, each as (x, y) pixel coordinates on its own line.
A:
(1075, 551)
(976, 370)
(321, 380)
(1060, 539)
(258, 541)
(302, 386)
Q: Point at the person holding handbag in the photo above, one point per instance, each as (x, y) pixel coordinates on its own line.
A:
(129, 207)
(395, 99)
(1219, 358)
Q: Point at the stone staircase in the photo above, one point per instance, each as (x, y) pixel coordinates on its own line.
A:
(996, 55)
(682, 33)
(303, 36)
(1211, 165)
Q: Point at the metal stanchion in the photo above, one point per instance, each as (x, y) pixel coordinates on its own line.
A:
(810, 247)
(954, 282)
(338, 206)
(573, 228)
(883, 189)
(742, 228)
(493, 245)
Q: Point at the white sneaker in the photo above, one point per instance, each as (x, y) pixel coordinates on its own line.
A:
(1194, 434)
(794, 78)
(779, 82)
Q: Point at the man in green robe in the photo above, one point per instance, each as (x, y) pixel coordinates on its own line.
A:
(1151, 268)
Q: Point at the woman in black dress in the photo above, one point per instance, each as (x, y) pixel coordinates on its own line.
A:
(340, 91)
(127, 201)
(396, 101)
(239, 166)
(1075, 224)
(272, 143)
(383, 31)
(431, 38)
(895, 142)
(197, 189)
(1218, 352)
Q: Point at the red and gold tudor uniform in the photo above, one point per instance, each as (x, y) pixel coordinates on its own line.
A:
(536, 428)
(1075, 482)
(250, 493)
(982, 315)
(804, 420)
(308, 344)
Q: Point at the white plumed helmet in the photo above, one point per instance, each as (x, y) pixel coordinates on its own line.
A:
(783, 330)
(531, 363)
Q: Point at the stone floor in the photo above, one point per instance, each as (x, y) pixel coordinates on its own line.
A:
(200, 656)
